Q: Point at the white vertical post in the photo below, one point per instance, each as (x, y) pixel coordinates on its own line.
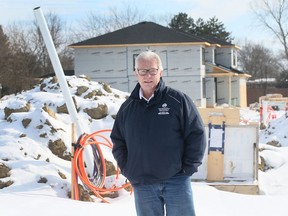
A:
(58, 69)
(62, 81)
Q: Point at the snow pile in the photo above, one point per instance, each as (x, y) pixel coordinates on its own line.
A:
(35, 135)
(35, 153)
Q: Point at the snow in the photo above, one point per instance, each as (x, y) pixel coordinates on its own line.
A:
(27, 154)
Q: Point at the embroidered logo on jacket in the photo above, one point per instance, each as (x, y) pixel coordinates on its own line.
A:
(164, 110)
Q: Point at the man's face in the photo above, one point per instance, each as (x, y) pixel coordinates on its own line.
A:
(148, 75)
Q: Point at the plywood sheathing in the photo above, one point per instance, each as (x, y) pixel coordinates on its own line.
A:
(231, 116)
(215, 166)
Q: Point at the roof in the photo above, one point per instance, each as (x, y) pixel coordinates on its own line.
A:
(142, 33)
(221, 70)
(214, 40)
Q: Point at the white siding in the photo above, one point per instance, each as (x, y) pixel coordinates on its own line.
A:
(210, 55)
(210, 91)
(189, 85)
(238, 92)
(224, 56)
(235, 91)
(132, 82)
(222, 90)
(182, 67)
(101, 62)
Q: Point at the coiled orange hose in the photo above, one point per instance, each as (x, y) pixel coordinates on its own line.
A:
(78, 165)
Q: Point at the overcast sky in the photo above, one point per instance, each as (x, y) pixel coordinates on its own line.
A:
(236, 15)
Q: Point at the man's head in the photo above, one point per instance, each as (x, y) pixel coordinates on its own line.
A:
(148, 69)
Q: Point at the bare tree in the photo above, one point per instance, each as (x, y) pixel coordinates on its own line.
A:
(260, 62)
(36, 42)
(122, 18)
(97, 24)
(5, 60)
(273, 15)
(92, 26)
(27, 56)
(22, 62)
(4, 51)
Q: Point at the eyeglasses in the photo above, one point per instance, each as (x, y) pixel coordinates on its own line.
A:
(151, 71)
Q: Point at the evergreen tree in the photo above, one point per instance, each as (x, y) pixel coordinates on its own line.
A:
(212, 27)
(181, 22)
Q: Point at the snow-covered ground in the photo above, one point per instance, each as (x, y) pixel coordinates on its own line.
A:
(25, 136)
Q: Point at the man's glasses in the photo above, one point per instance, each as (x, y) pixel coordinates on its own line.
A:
(151, 71)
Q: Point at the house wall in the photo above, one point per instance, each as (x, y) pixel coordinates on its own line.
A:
(210, 55)
(101, 63)
(238, 91)
(226, 56)
(222, 94)
(210, 91)
(183, 67)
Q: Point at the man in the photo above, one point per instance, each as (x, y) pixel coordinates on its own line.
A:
(158, 142)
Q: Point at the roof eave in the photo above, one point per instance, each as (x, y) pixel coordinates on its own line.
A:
(218, 71)
(140, 44)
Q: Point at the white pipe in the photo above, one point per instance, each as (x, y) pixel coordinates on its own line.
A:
(62, 82)
(58, 69)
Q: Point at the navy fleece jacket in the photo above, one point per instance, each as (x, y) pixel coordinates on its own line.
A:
(156, 140)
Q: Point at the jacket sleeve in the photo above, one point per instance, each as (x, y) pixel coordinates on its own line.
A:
(194, 137)
(119, 149)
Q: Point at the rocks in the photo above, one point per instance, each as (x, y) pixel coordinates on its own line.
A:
(42, 180)
(49, 111)
(58, 148)
(274, 143)
(4, 173)
(8, 111)
(5, 184)
(107, 87)
(110, 168)
(26, 122)
(84, 194)
(63, 108)
(81, 89)
(98, 112)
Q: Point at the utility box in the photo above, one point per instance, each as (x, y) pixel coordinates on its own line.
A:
(231, 158)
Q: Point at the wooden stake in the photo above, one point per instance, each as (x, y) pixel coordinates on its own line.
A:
(74, 141)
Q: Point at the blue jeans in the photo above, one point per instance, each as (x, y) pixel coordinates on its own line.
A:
(173, 197)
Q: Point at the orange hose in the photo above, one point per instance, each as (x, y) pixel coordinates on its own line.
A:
(78, 165)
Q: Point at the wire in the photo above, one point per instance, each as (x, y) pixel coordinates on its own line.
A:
(97, 181)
